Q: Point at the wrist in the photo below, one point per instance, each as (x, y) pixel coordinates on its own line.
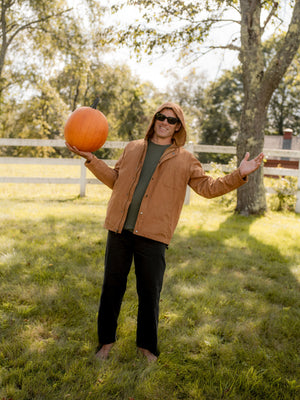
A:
(89, 159)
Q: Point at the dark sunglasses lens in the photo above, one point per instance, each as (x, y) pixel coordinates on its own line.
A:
(172, 120)
(162, 117)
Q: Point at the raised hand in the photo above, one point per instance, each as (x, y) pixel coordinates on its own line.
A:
(247, 167)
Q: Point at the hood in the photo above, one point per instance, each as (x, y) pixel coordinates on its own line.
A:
(179, 137)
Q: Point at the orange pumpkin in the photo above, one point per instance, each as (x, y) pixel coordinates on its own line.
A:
(86, 128)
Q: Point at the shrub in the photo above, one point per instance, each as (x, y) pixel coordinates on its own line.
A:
(284, 196)
(229, 199)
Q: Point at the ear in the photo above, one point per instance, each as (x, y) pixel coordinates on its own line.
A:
(178, 127)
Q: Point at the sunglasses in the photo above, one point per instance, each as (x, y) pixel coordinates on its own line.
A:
(171, 120)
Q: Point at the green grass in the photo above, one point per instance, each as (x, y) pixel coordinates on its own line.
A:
(229, 312)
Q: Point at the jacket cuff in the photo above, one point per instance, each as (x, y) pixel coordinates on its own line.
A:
(245, 178)
(89, 162)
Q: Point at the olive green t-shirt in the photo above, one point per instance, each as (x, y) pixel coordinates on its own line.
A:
(153, 155)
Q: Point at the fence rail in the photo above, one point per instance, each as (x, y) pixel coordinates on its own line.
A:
(83, 180)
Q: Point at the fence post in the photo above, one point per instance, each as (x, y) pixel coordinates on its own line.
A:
(297, 207)
(82, 177)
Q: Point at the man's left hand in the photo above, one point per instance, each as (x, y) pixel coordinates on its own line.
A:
(247, 167)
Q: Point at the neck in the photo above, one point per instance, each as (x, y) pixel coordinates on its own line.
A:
(161, 141)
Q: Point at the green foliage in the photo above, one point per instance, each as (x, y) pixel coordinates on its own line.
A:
(121, 96)
(183, 27)
(213, 110)
(229, 311)
(285, 189)
(126, 102)
(224, 100)
(178, 26)
(284, 106)
(69, 51)
(40, 117)
(69, 73)
(229, 199)
(44, 27)
(222, 105)
(189, 93)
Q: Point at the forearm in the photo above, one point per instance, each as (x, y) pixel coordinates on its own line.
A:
(102, 171)
(209, 187)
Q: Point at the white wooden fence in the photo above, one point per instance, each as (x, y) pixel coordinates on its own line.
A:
(82, 180)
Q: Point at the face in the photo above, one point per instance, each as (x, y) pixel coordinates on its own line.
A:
(163, 131)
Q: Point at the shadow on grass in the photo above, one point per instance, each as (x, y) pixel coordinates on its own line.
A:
(238, 302)
(50, 274)
(229, 325)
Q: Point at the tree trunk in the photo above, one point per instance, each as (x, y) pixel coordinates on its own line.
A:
(3, 44)
(251, 197)
(259, 85)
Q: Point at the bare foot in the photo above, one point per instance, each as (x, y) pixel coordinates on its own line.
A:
(104, 351)
(150, 356)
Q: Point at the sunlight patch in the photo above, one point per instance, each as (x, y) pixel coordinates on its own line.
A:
(296, 272)
(235, 241)
(38, 337)
(5, 257)
(189, 291)
(169, 317)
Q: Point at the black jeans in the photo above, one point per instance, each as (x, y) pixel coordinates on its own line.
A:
(149, 261)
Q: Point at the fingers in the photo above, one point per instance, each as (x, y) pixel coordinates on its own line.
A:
(259, 158)
(73, 148)
(85, 154)
(247, 155)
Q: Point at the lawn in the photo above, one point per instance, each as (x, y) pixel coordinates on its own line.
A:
(229, 312)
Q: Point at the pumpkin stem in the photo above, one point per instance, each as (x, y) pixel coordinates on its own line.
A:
(96, 101)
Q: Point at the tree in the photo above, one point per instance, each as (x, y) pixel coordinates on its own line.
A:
(222, 110)
(185, 25)
(209, 109)
(122, 97)
(284, 106)
(38, 39)
(35, 35)
(189, 94)
(124, 100)
(219, 105)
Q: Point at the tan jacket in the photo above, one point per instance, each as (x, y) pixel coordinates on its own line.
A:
(163, 200)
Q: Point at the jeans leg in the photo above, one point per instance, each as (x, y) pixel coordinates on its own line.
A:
(149, 258)
(118, 260)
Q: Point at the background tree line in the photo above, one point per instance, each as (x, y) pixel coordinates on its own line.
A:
(51, 62)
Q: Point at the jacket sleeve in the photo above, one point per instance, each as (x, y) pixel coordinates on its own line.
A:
(103, 172)
(209, 187)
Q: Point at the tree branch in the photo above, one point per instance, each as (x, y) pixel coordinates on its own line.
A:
(271, 14)
(227, 47)
(283, 57)
(26, 26)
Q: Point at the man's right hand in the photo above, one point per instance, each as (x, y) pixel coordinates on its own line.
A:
(85, 154)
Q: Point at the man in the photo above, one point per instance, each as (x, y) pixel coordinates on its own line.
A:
(148, 189)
